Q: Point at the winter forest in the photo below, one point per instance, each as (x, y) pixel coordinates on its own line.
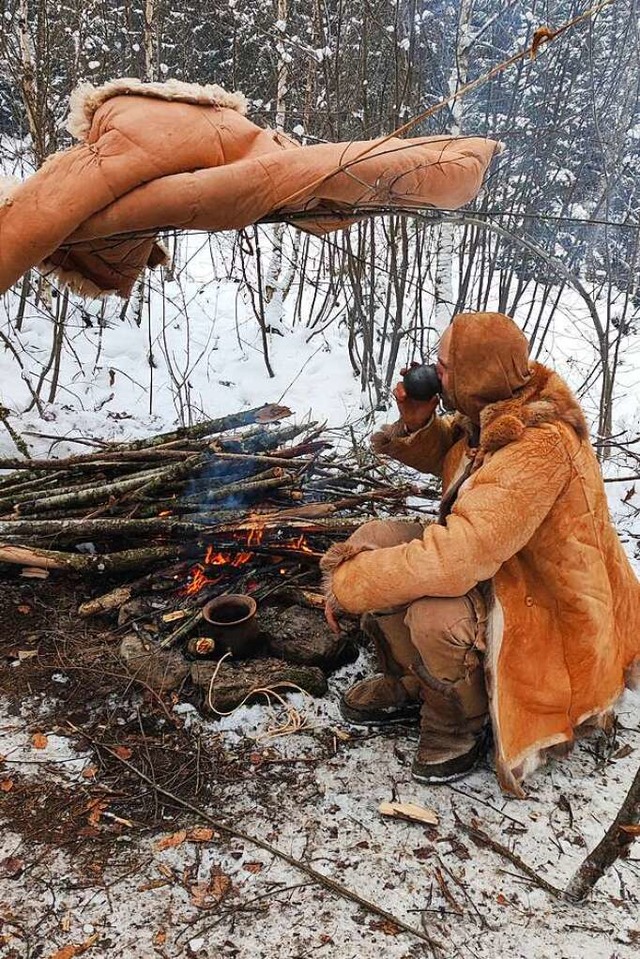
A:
(553, 238)
(155, 800)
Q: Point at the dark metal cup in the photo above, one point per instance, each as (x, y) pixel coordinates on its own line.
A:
(422, 382)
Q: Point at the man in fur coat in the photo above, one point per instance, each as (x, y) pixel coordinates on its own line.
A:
(517, 610)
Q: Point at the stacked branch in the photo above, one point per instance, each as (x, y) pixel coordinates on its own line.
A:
(160, 499)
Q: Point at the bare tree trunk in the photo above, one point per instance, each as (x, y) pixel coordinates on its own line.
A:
(149, 40)
(273, 293)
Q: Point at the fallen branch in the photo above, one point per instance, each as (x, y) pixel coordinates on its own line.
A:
(483, 839)
(614, 844)
(127, 559)
(17, 439)
(268, 413)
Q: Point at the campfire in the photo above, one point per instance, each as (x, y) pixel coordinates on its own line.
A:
(228, 518)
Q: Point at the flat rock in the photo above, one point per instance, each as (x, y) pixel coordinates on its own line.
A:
(300, 635)
(161, 669)
(236, 682)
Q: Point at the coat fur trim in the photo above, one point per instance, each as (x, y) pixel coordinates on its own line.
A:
(74, 281)
(335, 555)
(544, 399)
(86, 98)
(8, 186)
(78, 283)
(632, 675)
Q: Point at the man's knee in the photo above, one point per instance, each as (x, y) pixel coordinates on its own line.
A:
(445, 631)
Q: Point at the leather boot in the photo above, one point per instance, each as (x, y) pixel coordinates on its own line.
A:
(391, 696)
(452, 740)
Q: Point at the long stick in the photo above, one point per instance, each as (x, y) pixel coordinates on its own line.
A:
(539, 37)
(335, 887)
(78, 530)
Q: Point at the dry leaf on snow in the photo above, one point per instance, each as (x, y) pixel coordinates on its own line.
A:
(96, 807)
(168, 842)
(11, 867)
(39, 741)
(200, 834)
(206, 894)
(70, 951)
(219, 885)
(386, 926)
(253, 866)
(200, 895)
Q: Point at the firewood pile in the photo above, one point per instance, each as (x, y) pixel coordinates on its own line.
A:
(221, 525)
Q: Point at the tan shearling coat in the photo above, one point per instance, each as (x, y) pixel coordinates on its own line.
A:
(531, 525)
(181, 155)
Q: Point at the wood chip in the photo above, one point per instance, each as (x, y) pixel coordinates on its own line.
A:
(631, 830)
(409, 811)
(32, 572)
(176, 615)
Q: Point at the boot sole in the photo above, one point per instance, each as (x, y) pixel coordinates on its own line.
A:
(379, 717)
(435, 779)
(432, 779)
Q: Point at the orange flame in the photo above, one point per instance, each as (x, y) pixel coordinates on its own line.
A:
(199, 580)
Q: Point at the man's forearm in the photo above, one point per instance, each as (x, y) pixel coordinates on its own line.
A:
(423, 449)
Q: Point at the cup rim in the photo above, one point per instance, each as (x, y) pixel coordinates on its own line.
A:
(240, 598)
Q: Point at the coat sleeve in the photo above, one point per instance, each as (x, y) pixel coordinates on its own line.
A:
(423, 450)
(491, 521)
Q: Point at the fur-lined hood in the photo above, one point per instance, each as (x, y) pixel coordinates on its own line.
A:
(86, 98)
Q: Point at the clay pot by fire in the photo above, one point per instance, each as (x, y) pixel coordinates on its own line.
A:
(231, 621)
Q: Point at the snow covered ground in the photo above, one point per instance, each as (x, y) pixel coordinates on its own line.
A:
(315, 795)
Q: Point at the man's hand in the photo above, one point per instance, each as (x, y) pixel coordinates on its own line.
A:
(415, 413)
(330, 617)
